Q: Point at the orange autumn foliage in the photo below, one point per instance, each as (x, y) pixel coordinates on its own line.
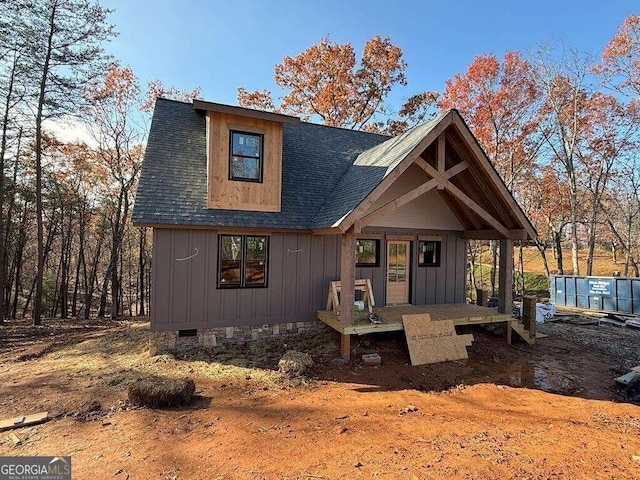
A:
(326, 81)
(498, 100)
(620, 66)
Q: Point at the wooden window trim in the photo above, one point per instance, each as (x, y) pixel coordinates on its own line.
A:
(438, 244)
(260, 159)
(243, 245)
(432, 238)
(401, 238)
(377, 261)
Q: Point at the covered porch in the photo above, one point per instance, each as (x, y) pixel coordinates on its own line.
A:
(433, 177)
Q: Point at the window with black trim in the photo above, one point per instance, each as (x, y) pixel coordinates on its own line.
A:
(429, 253)
(242, 261)
(245, 157)
(368, 252)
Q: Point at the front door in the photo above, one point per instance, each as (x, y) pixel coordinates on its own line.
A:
(397, 272)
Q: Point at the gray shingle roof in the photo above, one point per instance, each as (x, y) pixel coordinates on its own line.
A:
(317, 160)
(368, 170)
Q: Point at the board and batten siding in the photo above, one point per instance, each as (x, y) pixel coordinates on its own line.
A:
(185, 293)
(301, 265)
(428, 285)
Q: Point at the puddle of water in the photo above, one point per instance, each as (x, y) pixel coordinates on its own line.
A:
(546, 377)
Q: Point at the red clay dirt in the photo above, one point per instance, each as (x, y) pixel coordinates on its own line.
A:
(483, 418)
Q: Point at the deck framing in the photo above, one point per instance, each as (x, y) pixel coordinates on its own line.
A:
(459, 313)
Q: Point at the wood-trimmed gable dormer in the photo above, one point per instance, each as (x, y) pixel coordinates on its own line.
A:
(244, 157)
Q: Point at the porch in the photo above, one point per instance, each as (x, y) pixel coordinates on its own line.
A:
(430, 180)
(459, 313)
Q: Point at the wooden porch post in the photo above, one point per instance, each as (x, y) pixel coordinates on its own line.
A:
(347, 287)
(505, 279)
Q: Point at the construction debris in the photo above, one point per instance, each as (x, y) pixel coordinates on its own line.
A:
(23, 420)
(625, 379)
(635, 323)
(434, 341)
(371, 359)
(14, 439)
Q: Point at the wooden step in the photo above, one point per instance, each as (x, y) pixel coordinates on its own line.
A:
(525, 334)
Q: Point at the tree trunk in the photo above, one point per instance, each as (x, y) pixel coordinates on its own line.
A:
(115, 285)
(472, 268)
(557, 240)
(37, 312)
(3, 150)
(80, 263)
(66, 269)
(591, 247)
(575, 246)
(105, 290)
(92, 281)
(10, 208)
(51, 233)
(626, 266)
(543, 254)
(18, 259)
(626, 247)
(591, 243)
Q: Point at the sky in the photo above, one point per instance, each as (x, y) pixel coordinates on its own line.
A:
(221, 45)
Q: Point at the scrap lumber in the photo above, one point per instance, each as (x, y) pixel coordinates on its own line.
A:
(585, 321)
(625, 379)
(14, 439)
(23, 420)
(612, 322)
(635, 323)
(434, 341)
(524, 334)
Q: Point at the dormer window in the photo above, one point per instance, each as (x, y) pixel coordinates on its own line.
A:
(245, 158)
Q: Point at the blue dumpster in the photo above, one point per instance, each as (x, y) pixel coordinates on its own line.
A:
(609, 294)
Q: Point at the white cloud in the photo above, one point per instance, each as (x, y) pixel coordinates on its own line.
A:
(69, 129)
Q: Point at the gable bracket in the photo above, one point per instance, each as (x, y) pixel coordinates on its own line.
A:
(462, 127)
(360, 210)
(456, 192)
(413, 194)
(441, 155)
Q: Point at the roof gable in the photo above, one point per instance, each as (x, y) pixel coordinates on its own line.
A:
(452, 162)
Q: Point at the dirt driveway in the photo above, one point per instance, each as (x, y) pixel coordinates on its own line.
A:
(545, 411)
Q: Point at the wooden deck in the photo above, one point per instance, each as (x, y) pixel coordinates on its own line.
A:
(460, 313)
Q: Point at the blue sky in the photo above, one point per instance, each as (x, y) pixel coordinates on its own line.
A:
(220, 45)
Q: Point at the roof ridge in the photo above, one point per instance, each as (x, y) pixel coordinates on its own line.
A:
(347, 129)
(183, 102)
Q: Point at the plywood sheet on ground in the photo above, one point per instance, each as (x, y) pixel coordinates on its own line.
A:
(433, 342)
